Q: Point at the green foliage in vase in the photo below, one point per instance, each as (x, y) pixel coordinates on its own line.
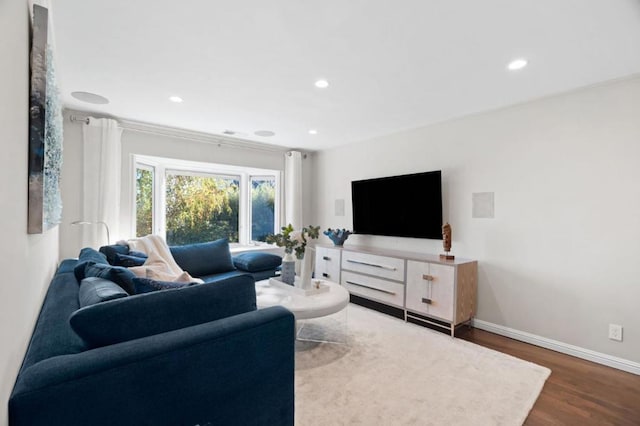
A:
(294, 241)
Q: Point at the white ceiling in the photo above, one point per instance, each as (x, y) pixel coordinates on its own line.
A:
(248, 65)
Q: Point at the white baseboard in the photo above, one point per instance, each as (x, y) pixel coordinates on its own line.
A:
(565, 348)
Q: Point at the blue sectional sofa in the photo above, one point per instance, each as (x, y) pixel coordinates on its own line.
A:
(195, 355)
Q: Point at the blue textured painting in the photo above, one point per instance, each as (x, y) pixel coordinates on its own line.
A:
(45, 131)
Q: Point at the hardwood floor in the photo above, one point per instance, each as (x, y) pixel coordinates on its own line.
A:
(578, 392)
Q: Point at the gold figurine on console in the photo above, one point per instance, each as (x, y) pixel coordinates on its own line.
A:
(446, 242)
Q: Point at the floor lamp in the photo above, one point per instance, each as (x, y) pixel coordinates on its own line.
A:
(99, 222)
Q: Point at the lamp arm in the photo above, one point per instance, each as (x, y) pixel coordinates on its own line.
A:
(106, 227)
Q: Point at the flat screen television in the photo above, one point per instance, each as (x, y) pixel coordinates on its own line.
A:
(399, 206)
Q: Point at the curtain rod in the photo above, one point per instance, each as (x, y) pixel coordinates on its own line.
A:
(75, 118)
(303, 154)
(185, 134)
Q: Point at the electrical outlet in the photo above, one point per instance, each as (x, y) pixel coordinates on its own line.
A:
(615, 332)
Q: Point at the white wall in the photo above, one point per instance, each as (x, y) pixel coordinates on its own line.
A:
(560, 259)
(27, 261)
(135, 142)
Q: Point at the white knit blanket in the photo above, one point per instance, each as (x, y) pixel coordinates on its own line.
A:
(160, 265)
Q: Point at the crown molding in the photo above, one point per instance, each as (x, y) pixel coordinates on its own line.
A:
(172, 132)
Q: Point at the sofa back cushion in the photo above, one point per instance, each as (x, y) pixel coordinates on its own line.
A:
(52, 335)
(157, 312)
(204, 258)
(97, 290)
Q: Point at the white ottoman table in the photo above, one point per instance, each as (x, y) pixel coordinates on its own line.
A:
(308, 307)
(303, 307)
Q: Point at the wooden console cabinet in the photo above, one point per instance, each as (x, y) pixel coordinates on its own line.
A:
(422, 287)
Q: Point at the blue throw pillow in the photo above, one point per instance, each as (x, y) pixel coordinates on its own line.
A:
(146, 285)
(256, 261)
(89, 254)
(138, 254)
(119, 275)
(97, 290)
(113, 249)
(204, 258)
(128, 260)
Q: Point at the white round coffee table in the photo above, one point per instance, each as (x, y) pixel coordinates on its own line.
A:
(302, 306)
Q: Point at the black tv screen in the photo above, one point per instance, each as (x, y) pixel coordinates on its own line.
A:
(399, 206)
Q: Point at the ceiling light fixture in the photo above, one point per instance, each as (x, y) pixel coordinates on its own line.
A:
(176, 99)
(322, 84)
(264, 133)
(517, 64)
(90, 98)
(313, 132)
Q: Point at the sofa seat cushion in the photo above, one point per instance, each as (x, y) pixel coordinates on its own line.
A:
(204, 258)
(256, 261)
(157, 312)
(97, 290)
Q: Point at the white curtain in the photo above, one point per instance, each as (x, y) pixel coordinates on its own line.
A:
(101, 181)
(293, 189)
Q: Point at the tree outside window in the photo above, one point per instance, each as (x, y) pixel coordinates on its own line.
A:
(201, 208)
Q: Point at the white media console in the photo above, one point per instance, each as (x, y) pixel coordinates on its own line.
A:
(417, 287)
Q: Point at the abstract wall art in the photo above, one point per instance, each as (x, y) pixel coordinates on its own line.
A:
(45, 131)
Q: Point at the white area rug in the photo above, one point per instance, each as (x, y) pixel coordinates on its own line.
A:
(394, 373)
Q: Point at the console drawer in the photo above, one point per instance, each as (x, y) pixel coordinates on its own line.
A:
(328, 264)
(377, 289)
(380, 266)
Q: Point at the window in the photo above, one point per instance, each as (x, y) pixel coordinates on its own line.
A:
(144, 200)
(201, 208)
(263, 198)
(197, 202)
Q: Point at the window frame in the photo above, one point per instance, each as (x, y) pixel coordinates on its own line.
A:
(161, 166)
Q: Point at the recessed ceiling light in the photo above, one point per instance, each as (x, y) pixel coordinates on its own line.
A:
(264, 133)
(176, 99)
(517, 64)
(322, 84)
(313, 132)
(90, 98)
